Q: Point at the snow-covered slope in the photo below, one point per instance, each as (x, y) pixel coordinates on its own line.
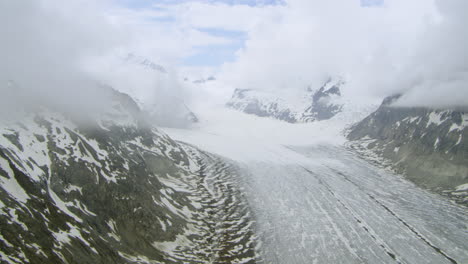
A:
(430, 146)
(311, 105)
(113, 189)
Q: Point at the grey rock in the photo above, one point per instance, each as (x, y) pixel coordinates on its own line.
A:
(430, 146)
(115, 190)
(319, 104)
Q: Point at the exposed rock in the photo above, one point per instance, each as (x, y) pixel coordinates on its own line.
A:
(313, 105)
(323, 106)
(115, 190)
(429, 146)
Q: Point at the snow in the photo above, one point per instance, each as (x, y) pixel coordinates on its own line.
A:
(72, 188)
(112, 226)
(435, 118)
(412, 119)
(461, 126)
(14, 218)
(463, 187)
(11, 185)
(32, 149)
(181, 241)
(313, 200)
(62, 205)
(64, 237)
(244, 137)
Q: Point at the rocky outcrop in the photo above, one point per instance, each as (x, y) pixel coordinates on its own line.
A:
(114, 189)
(323, 106)
(312, 105)
(429, 146)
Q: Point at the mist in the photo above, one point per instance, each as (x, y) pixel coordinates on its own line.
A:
(62, 55)
(57, 53)
(42, 44)
(417, 48)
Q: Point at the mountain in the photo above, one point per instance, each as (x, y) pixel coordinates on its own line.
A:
(113, 189)
(144, 62)
(155, 88)
(202, 81)
(311, 105)
(430, 146)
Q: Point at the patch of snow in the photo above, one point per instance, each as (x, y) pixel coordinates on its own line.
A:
(14, 218)
(11, 186)
(63, 237)
(435, 118)
(463, 187)
(71, 188)
(62, 205)
(181, 241)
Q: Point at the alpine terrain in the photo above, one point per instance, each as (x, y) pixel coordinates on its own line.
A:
(114, 189)
(430, 146)
(311, 105)
(233, 131)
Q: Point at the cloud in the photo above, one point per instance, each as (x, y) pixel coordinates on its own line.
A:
(54, 49)
(42, 43)
(437, 73)
(309, 40)
(57, 53)
(415, 47)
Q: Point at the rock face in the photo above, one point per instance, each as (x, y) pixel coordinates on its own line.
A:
(115, 190)
(313, 105)
(429, 146)
(323, 106)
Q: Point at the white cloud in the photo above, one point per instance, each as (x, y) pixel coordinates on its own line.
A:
(414, 46)
(312, 39)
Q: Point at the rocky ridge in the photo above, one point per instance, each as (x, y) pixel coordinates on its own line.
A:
(114, 189)
(429, 146)
(314, 104)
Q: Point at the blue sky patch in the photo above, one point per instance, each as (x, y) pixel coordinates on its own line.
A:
(371, 3)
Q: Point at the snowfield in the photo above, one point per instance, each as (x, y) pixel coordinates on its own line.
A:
(315, 201)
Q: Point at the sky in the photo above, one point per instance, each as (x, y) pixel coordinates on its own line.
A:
(381, 47)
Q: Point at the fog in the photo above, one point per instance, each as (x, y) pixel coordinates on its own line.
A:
(62, 54)
(417, 48)
(59, 53)
(42, 43)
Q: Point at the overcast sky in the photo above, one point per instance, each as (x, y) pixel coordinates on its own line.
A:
(381, 47)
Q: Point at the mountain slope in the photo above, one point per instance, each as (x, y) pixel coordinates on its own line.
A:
(312, 105)
(429, 146)
(114, 190)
